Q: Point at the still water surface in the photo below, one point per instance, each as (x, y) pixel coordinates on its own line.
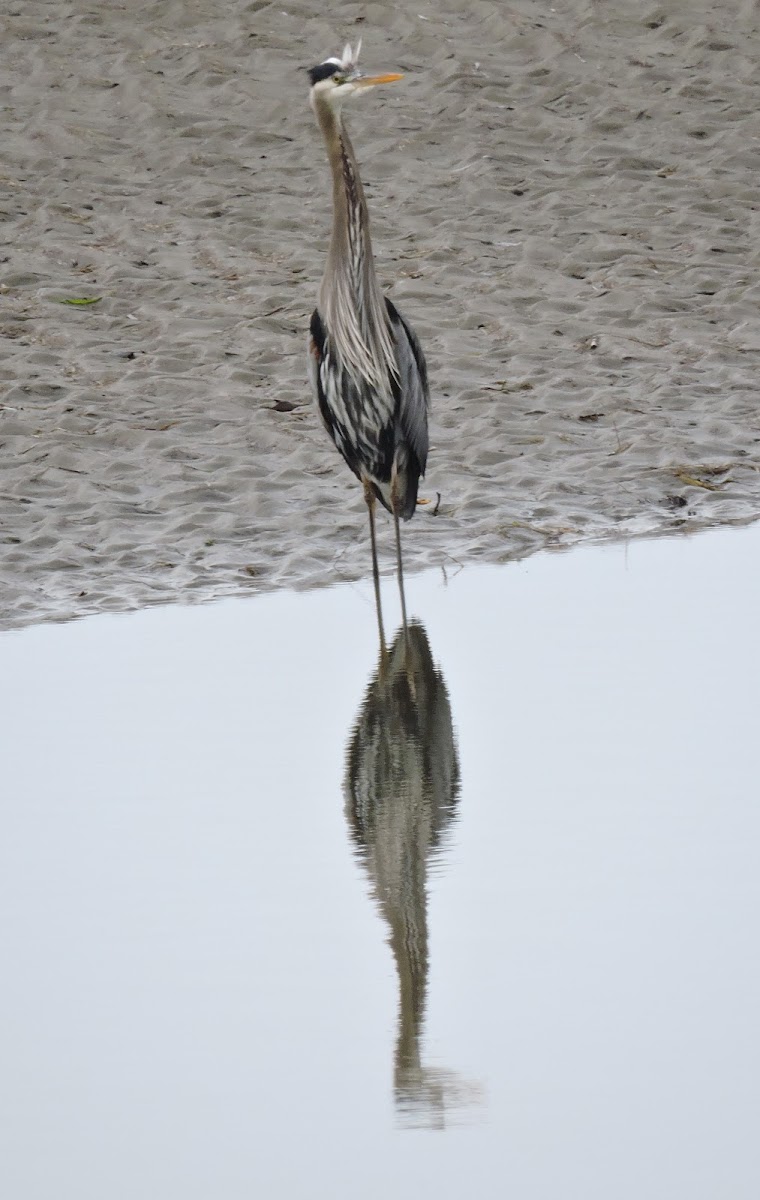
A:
(275, 923)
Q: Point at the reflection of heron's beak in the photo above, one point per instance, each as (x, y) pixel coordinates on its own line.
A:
(370, 80)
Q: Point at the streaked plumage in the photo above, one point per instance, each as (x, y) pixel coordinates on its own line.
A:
(376, 428)
(367, 369)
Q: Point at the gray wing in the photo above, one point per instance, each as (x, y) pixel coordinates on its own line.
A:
(414, 396)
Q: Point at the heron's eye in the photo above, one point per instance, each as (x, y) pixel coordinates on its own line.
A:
(338, 77)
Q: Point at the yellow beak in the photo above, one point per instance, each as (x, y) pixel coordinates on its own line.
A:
(371, 80)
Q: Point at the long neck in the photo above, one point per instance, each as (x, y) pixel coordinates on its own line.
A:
(350, 299)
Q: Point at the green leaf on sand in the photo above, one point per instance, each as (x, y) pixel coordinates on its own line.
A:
(80, 301)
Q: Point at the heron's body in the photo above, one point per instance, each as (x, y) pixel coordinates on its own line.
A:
(369, 425)
(367, 368)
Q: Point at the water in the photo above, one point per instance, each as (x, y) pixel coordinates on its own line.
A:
(275, 924)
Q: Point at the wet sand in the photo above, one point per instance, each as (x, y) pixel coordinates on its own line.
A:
(564, 204)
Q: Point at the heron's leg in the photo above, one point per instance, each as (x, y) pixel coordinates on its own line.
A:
(399, 563)
(400, 567)
(369, 496)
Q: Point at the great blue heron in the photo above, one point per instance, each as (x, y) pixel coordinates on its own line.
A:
(367, 368)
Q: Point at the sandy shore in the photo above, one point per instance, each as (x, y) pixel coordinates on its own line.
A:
(564, 204)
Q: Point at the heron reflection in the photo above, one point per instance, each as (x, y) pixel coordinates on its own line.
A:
(402, 786)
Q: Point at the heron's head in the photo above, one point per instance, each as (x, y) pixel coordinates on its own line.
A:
(336, 79)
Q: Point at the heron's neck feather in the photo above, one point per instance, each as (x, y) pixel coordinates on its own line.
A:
(350, 299)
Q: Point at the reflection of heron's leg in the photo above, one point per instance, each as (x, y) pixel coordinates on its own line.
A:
(369, 496)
